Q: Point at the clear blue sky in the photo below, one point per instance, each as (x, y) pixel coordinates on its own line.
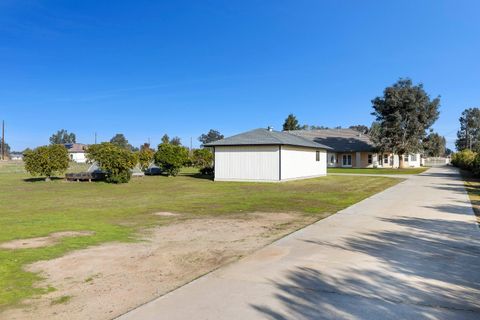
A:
(145, 68)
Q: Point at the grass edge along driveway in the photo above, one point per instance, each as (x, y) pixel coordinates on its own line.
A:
(119, 212)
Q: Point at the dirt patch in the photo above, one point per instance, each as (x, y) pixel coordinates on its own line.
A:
(49, 240)
(166, 214)
(108, 280)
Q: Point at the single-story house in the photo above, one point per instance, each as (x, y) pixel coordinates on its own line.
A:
(353, 149)
(16, 156)
(76, 152)
(269, 156)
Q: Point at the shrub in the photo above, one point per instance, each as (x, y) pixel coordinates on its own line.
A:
(207, 171)
(171, 158)
(464, 159)
(114, 160)
(145, 157)
(46, 160)
(202, 158)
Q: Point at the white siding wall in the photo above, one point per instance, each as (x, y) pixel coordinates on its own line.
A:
(78, 157)
(298, 162)
(247, 163)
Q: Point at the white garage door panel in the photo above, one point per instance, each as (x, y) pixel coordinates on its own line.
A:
(247, 163)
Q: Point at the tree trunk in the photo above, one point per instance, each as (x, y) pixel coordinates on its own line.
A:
(401, 161)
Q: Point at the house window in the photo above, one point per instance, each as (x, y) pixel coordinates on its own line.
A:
(370, 158)
(385, 158)
(347, 160)
(317, 155)
(332, 159)
(413, 157)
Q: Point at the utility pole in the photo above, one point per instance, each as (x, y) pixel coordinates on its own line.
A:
(95, 137)
(3, 139)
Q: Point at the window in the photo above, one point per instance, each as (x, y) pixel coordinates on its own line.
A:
(347, 160)
(385, 158)
(332, 159)
(370, 159)
(317, 155)
(413, 157)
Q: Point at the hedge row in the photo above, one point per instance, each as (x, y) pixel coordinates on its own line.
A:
(467, 160)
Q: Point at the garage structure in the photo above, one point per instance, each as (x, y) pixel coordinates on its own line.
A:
(266, 155)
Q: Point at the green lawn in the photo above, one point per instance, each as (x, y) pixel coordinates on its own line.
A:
(117, 212)
(377, 170)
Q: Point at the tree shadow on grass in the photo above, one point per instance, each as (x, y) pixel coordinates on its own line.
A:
(429, 269)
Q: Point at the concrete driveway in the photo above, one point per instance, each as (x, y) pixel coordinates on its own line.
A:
(410, 252)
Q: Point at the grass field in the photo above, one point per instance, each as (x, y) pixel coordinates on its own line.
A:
(31, 208)
(377, 170)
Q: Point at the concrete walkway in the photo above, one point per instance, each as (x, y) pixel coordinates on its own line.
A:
(410, 252)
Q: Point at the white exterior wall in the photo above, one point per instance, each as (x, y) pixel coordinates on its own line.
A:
(298, 162)
(78, 157)
(247, 163)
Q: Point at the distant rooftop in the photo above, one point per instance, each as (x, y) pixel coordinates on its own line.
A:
(340, 140)
(263, 136)
(75, 147)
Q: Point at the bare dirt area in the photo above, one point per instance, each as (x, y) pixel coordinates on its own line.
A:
(105, 281)
(43, 241)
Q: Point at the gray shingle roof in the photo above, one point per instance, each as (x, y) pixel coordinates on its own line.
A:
(265, 137)
(340, 140)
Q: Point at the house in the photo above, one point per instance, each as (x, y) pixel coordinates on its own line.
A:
(16, 156)
(268, 155)
(353, 149)
(76, 152)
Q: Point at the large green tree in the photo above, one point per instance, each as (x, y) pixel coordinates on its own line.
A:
(211, 136)
(116, 161)
(291, 123)
(46, 160)
(122, 142)
(468, 137)
(62, 136)
(404, 114)
(434, 145)
(165, 139)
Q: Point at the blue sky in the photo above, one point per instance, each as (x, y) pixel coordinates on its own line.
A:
(145, 68)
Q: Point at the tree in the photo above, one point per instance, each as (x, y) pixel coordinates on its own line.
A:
(46, 160)
(404, 113)
(145, 156)
(291, 123)
(116, 161)
(202, 158)
(468, 137)
(171, 158)
(165, 139)
(120, 141)
(62, 137)
(211, 136)
(434, 145)
(7, 150)
(176, 141)
(360, 128)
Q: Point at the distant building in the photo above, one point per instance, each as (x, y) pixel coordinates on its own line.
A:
(16, 156)
(353, 149)
(76, 152)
